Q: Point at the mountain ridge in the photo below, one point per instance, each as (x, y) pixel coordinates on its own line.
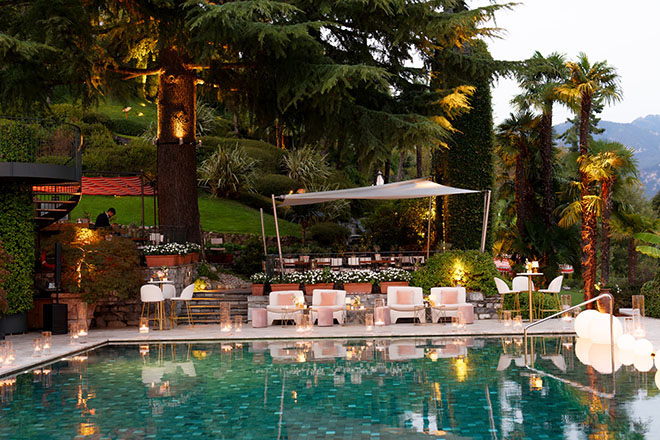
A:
(643, 136)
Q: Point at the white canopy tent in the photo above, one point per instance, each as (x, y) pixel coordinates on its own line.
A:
(409, 189)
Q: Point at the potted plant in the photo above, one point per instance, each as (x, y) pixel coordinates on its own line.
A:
(193, 250)
(4, 305)
(318, 279)
(288, 281)
(94, 269)
(358, 281)
(168, 254)
(393, 276)
(258, 280)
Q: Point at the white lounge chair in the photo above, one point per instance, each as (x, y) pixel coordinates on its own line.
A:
(281, 305)
(334, 300)
(450, 298)
(404, 302)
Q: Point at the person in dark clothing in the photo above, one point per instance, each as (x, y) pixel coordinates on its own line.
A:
(103, 219)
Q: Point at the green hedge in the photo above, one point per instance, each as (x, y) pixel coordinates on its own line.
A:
(329, 234)
(651, 292)
(479, 271)
(19, 141)
(129, 127)
(17, 236)
(277, 184)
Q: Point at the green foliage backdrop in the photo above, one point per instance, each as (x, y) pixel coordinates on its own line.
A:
(479, 271)
(17, 236)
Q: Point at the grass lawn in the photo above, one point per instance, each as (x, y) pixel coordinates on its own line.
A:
(217, 215)
(149, 110)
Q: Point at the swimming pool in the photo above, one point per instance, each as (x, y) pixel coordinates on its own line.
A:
(356, 389)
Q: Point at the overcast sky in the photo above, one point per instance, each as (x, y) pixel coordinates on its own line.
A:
(625, 34)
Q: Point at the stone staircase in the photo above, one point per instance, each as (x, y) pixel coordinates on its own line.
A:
(206, 305)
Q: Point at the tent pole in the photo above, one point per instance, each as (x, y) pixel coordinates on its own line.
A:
(428, 230)
(263, 230)
(277, 231)
(485, 221)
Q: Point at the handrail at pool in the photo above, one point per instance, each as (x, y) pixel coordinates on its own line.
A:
(575, 307)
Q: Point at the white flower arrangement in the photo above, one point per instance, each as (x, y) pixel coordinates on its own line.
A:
(192, 248)
(359, 276)
(317, 276)
(259, 278)
(165, 249)
(394, 274)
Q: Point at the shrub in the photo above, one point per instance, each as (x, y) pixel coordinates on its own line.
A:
(277, 184)
(204, 270)
(66, 112)
(398, 224)
(329, 234)
(478, 271)
(254, 200)
(130, 127)
(95, 118)
(250, 258)
(19, 141)
(305, 165)
(137, 155)
(227, 171)
(266, 156)
(4, 259)
(651, 292)
(17, 236)
(97, 128)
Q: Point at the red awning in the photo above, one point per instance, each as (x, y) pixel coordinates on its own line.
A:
(114, 186)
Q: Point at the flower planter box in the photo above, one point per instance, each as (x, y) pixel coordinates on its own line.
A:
(194, 257)
(187, 259)
(257, 289)
(309, 288)
(385, 284)
(284, 286)
(162, 260)
(358, 288)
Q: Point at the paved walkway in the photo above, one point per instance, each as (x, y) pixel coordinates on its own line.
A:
(61, 345)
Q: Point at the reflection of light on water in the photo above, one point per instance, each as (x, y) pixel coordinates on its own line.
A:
(88, 429)
(461, 369)
(536, 383)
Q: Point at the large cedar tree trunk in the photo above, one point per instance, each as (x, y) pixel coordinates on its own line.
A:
(588, 233)
(546, 173)
(177, 166)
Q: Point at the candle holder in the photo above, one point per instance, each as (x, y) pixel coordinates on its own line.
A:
(639, 330)
(517, 322)
(143, 328)
(73, 334)
(47, 340)
(82, 333)
(369, 321)
(37, 347)
(506, 318)
(379, 315)
(225, 322)
(238, 323)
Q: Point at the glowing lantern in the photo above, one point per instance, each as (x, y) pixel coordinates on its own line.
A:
(599, 328)
(583, 323)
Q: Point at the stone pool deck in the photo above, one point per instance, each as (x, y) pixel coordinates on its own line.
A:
(61, 346)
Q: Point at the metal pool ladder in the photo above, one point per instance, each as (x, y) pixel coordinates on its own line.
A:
(572, 383)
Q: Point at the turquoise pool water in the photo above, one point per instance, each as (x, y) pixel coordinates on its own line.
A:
(353, 389)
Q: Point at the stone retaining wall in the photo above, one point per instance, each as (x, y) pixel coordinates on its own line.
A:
(485, 307)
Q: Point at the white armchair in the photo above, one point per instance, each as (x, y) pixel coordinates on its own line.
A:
(327, 349)
(334, 300)
(404, 302)
(280, 304)
(450, 298)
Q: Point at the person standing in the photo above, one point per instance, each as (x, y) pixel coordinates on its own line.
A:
(103, 219)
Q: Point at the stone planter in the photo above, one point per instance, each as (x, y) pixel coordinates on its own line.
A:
(358, 288)
(385, 284)
(257, 289)
(284, 286)
(78, 310)
(309, 288)
(163, 260)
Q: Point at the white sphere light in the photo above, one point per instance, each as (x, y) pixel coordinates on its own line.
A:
(600, 356)
(643, 363)
(582, 347)
(599, 328)
(627, 357)
(626, 342)
(643, 347)
(583, 323)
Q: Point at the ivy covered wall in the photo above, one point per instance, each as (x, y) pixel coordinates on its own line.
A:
(17, 235)
(468, 163)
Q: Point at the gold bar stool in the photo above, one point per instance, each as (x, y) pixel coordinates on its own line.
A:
(549, 298)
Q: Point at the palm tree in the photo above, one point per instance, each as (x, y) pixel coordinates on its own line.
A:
(516, 137)
(540, 80)
(588, 84)
(614, 165)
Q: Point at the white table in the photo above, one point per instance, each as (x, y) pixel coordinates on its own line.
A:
(160, 284)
